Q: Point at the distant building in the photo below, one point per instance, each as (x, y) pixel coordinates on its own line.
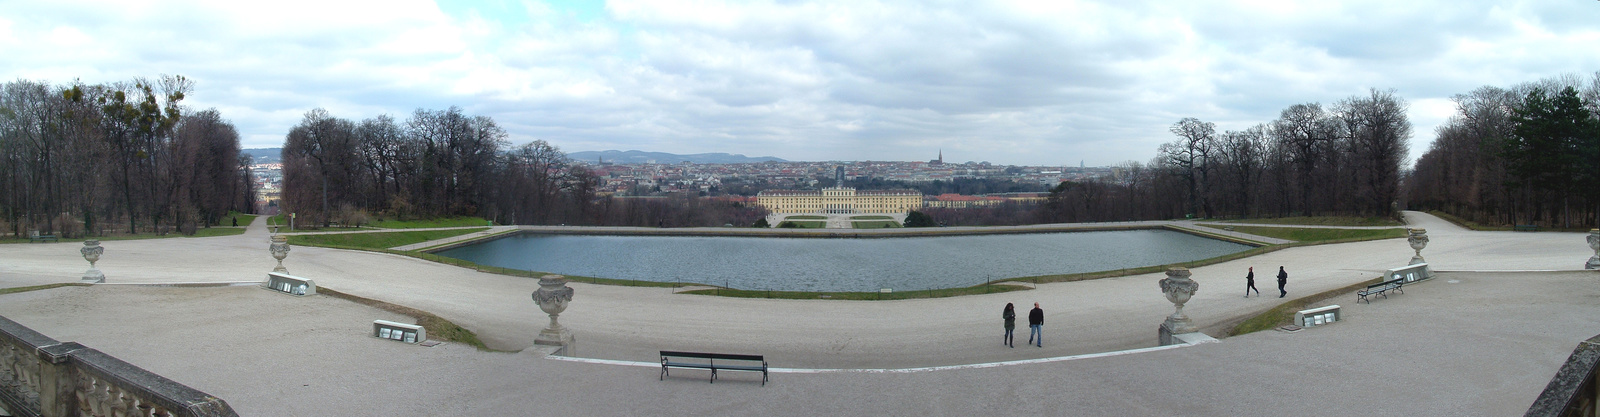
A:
(841, 200)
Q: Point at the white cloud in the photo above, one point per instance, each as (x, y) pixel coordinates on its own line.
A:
(1009, 82)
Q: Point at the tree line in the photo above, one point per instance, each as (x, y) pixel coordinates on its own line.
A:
(1340, 159)
(81, 159)
(1525, 154)
(447, 163)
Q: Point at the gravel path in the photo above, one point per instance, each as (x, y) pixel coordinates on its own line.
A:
(1482, 346)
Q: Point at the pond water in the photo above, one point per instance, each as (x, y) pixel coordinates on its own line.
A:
(819, 264)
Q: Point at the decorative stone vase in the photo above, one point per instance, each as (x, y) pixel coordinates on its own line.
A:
(91, 251)
(552, 297)
(1418, 240)
(280, 250)
(1594, 243)
(1179, 288)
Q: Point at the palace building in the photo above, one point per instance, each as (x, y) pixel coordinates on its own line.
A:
(841, 200)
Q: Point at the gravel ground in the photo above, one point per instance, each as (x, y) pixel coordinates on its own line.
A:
(1484, 345)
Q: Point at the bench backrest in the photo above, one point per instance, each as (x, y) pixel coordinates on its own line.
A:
(702, 355)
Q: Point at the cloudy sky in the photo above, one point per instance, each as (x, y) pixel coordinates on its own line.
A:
(1035, 83)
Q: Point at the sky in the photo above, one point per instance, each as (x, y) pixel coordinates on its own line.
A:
(1053, 83)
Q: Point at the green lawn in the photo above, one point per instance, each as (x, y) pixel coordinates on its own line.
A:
(1324, 221)
(876, 224)
(205, 232)
(1316, 235)
(1284, 313)
(378, 240)
(805, 224)
(244, 219)
(896, 295)
(871, 218)
(428, 223)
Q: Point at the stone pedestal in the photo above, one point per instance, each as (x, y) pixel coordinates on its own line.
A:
(280, 250)
(91, 252)
(1178, 288)
(1594, 243)
(552, 297)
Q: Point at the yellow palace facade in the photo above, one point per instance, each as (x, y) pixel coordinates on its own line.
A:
(840, 201)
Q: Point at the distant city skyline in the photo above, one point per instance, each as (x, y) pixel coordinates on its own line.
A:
(1015, 83)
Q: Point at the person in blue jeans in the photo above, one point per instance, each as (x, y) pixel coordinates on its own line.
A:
(1036, 326)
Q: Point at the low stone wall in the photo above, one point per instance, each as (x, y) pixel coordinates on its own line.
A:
(1573, 391)
(40, 376)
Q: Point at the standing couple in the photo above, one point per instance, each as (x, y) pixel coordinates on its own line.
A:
(1035, 323)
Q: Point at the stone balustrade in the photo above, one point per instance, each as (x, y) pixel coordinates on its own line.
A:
(1573, 391)
(40, 376)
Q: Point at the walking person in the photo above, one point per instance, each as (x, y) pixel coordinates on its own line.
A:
(1283, 279)
(1010, 315)
(1036, 326)
(1250, 283)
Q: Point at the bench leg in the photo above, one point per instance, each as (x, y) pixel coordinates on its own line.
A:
(663, 376)
(713, 375)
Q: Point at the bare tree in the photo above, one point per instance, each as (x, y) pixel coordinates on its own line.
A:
(1191, 155)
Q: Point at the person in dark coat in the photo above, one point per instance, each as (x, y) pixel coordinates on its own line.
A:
(1250, 283)
(1036, 326)
(1283, 279)
(1010, 316)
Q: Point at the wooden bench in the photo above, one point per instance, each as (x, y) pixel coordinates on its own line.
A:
(1382, 289)
(1525, 228)
(36, 237)
(744, 363)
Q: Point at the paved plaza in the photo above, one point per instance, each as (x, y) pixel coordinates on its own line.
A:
(1473, 342)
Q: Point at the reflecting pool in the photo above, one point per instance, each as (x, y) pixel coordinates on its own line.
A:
(841, 264)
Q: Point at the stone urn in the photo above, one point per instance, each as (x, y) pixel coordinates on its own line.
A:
(280, 250)
(1418, 240)
(1179, 288)
(91, 251)
(552, 297)
(1594, 243)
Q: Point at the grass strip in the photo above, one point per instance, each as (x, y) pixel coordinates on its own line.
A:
(437, 326)
(898, 295)
(377, 240)
(429, 223)
(1191, 264)
(1284, 313)
(14, 290)
(875, 224)
(871, 218)
(204, 232)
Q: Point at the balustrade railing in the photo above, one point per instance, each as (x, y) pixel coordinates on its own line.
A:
(1575, 388)
(43, 377)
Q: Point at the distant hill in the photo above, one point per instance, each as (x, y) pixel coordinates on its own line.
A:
(264, 155)
(642, 157)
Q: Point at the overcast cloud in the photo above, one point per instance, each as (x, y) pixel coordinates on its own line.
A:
(1036, 83)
